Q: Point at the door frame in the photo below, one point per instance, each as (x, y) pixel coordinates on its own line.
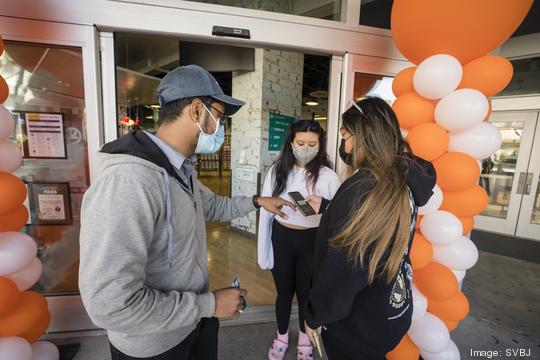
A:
(67, 311)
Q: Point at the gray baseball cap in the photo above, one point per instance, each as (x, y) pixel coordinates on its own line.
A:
(193, 81)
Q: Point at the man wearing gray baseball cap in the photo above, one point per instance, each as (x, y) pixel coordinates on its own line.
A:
(143, 272)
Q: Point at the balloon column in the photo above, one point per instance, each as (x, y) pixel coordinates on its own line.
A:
(442, 105)
(24, 315)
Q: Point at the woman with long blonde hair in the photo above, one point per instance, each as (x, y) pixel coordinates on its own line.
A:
(361, 279)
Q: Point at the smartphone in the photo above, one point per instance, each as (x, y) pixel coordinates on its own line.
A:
(302, 204)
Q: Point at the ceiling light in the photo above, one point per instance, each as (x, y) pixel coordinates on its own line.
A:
(154, 106)
(312, 103)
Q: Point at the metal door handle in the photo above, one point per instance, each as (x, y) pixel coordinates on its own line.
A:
(524, 183)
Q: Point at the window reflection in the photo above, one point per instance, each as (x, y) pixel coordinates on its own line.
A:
(47, 100)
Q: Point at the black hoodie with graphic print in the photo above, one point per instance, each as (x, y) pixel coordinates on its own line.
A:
(361, 321)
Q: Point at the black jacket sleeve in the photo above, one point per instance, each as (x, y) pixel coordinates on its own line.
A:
(336, 280)
(324, 205)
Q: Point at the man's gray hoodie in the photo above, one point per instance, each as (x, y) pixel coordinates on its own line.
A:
(143, 265)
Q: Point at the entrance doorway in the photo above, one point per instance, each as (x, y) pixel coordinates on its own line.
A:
(511, 176)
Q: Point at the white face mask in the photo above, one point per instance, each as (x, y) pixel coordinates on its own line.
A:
(304, 154)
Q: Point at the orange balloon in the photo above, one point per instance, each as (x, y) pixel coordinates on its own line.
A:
(9, 295)
(403, 82)
(421, 252)
(31, 307)
(436, 281)
(467, 223)
(465, 203)
(405, 350)
(411, 110)
(38, 328)
(488, 74)
(428, 141)
(456, 171)
(456, 308)
(4, 90)
(451, 324)
(12, 192)
(464, 29)
(14, 220)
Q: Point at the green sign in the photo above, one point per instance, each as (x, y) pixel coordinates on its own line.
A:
(278, 128)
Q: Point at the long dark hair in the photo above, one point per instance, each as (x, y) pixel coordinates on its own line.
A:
(286, 160)
(380, 226)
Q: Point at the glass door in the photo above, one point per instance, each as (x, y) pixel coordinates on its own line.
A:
(50, 70)
(529, 217)
(504, 173)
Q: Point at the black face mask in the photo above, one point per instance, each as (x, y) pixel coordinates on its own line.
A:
(347, 158)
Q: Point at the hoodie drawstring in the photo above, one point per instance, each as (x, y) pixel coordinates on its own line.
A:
(169, 215)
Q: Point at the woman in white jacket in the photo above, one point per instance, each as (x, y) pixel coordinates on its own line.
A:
(286, 244)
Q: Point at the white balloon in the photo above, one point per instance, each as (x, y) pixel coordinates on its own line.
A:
(450, 353)
(15, 348)
(7, 124)
(434, 202)
(460, 274)
(441, 228)
(27, 277)
(420, 303)
(461, 110)
(10, 156)
(44, 350)
(429, 333)
(437, 76)
(17, 250)
(481, 141)
(460, 255)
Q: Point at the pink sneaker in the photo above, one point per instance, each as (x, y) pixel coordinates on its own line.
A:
(277, 350)
(305, 352)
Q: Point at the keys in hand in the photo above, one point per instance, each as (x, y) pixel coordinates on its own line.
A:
(229, 302)
(236, 284)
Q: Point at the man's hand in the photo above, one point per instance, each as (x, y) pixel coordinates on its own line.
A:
(274, 205)
(315, 202)
(229, 302)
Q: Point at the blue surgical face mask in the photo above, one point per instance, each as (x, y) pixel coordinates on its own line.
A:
(210, 143)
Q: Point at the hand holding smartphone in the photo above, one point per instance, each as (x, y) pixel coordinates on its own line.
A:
(302, 204)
